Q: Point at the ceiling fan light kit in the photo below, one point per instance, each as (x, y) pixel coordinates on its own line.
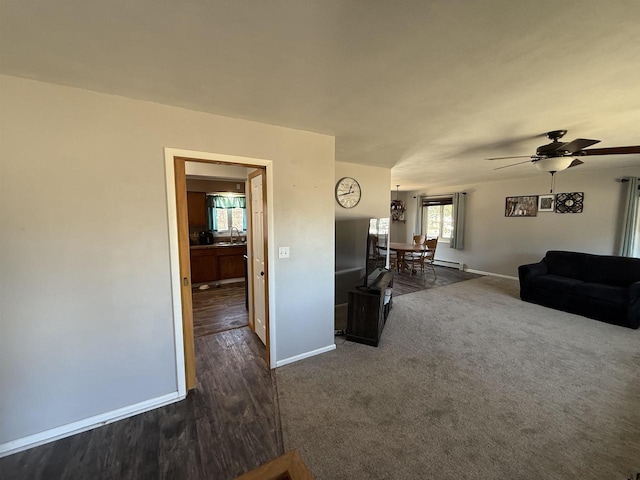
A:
(554, 164)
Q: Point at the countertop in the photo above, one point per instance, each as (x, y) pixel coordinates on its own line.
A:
(218, 245)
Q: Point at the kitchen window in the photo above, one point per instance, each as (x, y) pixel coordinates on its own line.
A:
(226, 211)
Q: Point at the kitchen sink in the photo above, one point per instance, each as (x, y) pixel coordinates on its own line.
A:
(228, 244)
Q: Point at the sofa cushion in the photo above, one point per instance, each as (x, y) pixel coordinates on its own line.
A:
(554, 283)
(565, 264)
(618, 271)
(603, 293)
(605, 269)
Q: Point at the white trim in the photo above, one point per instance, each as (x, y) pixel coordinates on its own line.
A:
(271, 263)
(15, 446)
(174, 253)
(499, 275)
(174, 269)
(302, 356)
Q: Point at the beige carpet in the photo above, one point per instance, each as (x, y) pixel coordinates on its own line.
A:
(469, 382)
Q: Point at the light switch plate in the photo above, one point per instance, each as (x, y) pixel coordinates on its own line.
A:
(283, 252)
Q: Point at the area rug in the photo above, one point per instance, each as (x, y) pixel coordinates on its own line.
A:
(470, 382)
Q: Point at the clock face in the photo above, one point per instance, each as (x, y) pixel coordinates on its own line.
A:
(348, 192)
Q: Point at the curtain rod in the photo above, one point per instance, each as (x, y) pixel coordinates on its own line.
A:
(439, 195)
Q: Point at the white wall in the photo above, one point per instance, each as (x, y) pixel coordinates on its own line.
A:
(85, 297)
(214, 170)
(374, 183)
(498, 244)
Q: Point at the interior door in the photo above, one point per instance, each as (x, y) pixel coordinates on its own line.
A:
(258, 260)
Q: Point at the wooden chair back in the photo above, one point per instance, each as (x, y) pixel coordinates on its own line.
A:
(431, 244)
(419, 239)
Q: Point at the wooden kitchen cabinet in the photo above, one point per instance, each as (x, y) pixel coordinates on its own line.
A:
(204, 265)
(197, 209)
(214, 263)
(231, 263)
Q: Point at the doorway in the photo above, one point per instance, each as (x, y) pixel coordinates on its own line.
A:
(176, 162)
(218, 230)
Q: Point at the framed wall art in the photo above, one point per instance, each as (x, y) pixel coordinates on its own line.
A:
(523, 206)
(570, 202)
(546, 203)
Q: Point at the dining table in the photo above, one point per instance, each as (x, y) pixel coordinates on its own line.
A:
(402, 249)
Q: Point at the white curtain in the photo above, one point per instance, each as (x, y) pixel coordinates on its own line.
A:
(629, 219)
(457, 239)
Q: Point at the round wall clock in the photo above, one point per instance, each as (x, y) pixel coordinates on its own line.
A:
(348, 192)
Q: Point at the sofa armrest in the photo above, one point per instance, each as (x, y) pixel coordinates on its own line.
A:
(527, 272)
(634, 305)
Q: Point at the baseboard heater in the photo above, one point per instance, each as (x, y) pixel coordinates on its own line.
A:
(447, 263)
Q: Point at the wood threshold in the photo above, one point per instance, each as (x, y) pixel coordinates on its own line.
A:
(287, 467)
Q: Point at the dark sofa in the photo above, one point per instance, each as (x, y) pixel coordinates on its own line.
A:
(602, 287)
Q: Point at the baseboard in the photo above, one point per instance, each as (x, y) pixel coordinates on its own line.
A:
(37, 439)
(312, 353)
(213, 283)
(490, 274)
(449, 264)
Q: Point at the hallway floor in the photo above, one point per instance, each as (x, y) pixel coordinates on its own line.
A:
(227, 426)
(218, 309)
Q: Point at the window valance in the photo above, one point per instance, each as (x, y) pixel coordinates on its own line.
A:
(226, 201)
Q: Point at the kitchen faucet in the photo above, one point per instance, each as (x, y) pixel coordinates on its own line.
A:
(231, 234)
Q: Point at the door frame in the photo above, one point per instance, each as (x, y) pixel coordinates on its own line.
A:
(175, 177)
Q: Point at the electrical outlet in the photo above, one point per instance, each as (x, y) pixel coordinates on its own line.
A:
(283, 252)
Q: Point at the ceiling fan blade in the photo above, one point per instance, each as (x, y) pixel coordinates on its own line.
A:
(612, 150)
(512, 165)
(577, 145)
(575, 163)
(505, 158)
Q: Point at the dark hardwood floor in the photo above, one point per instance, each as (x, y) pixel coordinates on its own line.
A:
(404, 283)
(227, 426)
(218, 309)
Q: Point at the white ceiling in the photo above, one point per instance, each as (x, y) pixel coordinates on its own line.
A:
(427, 87)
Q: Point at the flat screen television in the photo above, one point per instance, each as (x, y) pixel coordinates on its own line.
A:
(377, 259)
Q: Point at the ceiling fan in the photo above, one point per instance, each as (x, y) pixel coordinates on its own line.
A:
(557, 156)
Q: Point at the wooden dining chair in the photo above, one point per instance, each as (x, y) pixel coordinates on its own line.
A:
(429, 256)
(414, 258)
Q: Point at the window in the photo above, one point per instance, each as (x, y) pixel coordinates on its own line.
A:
(437, 218)
(226, 211)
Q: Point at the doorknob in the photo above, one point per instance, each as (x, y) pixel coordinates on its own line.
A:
(262, 274)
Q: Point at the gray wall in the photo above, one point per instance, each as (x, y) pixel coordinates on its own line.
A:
(374, 183)
(352, 224)
(498, 244)
(85, 297)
